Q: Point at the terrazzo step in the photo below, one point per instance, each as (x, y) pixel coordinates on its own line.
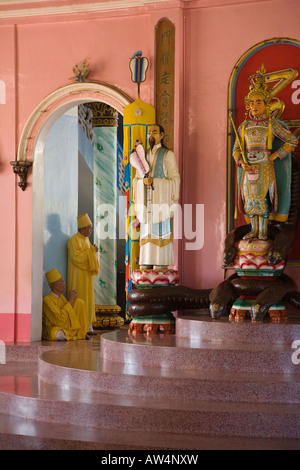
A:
(25, 352)
(147, 381)
(193, 391)
(19, 433)
(23, 434)
(34, 399)
(197, 354)
(202, 327)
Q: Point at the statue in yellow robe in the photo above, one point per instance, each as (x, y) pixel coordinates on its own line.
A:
(83, 265)
(62, 319)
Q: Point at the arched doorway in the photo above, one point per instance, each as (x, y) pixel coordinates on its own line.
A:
(31, 148)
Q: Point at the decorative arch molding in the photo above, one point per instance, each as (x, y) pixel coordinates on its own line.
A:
(53, 106)
(66, 97)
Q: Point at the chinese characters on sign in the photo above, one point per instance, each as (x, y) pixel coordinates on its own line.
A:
(165, 68)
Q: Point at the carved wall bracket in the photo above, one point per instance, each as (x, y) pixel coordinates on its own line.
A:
(21, 168)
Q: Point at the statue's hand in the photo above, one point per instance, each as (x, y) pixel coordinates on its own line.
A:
(148, 181)
(246, 167)
(272, 157)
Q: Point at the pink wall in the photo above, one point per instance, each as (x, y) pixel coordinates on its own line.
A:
(38, 58)
(7, 186)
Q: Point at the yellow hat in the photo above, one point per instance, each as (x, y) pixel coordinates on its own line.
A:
(83, 220)
(53, 276)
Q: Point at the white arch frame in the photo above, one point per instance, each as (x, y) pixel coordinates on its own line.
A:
(31, 148)
(64, 98)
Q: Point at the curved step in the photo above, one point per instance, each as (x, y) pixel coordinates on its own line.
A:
(108, 377)
(163, 384)
(201, 327)
(175, 352)
(23, 434)
(48, 403)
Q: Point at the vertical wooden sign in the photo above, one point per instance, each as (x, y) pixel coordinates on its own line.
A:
(165, 78)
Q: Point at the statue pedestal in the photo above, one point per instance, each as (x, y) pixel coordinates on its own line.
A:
(151, 278)
(252, 259)
(242, 309)
(154, 324)
(251, 263)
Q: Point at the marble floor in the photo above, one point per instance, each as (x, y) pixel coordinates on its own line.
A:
(185, 391)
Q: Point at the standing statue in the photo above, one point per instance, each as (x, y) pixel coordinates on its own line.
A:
(262, 151)
(154, 196)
